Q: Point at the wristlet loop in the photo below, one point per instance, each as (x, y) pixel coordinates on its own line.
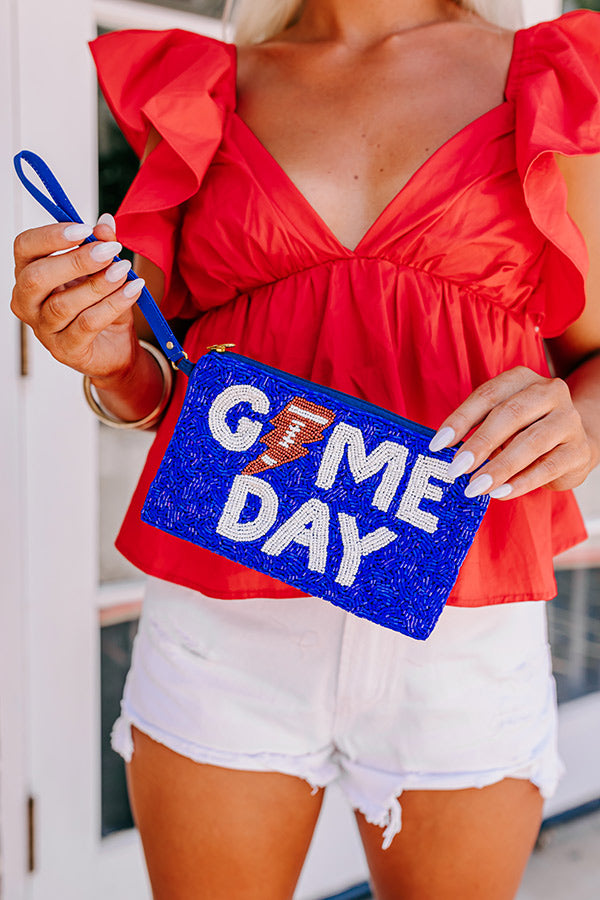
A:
(60, 207)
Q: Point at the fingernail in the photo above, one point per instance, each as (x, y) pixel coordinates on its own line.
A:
(478, 486)
(502, 491)
(442, 438)
(133, 287)
(107, 219)
(103, 250)
(461, 462)
(118, 270)
(77, 232)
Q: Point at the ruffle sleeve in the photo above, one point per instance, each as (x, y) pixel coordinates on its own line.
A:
(557, 110)
(182, 84)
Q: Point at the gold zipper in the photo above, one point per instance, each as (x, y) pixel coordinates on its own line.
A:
(220, 348)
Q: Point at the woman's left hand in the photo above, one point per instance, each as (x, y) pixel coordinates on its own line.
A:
(528, 428)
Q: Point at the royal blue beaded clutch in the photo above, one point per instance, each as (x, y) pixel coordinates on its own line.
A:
(330, 494)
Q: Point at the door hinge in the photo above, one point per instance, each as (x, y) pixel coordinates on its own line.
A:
(30, 833)
(24, 349)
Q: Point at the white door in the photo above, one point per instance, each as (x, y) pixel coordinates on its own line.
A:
(47, 741)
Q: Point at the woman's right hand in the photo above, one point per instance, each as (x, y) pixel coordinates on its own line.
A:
(78, 304)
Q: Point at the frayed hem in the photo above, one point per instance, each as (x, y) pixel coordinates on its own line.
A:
(544, 773)
(121, 741)
(390, 819)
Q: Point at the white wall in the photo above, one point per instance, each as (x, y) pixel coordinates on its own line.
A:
(540, 10)
(13, 781)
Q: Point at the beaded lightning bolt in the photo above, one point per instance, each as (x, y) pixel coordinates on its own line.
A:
(334, 496)
(299, 423)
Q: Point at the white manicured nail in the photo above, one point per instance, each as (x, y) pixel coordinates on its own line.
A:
(77, 232)
(502, 491)
(107, 219)
(461, 462)
(104, 250)
(118, 270)
(133, 287)
(478, 486)
(441, 440)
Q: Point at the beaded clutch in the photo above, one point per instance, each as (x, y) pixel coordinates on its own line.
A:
(330, 494)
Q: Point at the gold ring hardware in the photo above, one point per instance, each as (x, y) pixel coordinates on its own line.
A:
(174, 364)
(220, 348)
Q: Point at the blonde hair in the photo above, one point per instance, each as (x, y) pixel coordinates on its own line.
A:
(258, 20)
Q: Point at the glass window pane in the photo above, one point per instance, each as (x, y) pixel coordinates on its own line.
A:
(212, 8)
(572, 4)
(122, 455)
(574, 625)
(116, 643)
(117, 163)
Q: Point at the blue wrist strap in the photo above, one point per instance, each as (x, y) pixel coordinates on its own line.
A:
(60, 207)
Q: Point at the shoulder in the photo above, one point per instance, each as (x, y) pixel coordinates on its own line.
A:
(485, 49)
(556, 82)
(166, 78)
(156, 57)
(570, 41)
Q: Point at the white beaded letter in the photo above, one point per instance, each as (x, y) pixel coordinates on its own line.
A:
(308, 526)
(362, 465)
(229, 523)
(419, 488)
(247, 432)
(356, 547)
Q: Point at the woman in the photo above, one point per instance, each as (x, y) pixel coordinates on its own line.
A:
(405, 237)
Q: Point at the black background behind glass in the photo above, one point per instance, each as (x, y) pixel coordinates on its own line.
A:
(115, 658)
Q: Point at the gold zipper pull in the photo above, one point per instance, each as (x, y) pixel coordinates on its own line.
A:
(220, 348)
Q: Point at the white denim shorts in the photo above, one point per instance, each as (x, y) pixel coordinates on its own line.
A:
(302, 687)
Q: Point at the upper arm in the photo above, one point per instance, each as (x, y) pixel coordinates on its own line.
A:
(149, 271)
(582, 338)
(155, 282)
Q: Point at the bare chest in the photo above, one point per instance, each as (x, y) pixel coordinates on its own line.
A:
(350, 132)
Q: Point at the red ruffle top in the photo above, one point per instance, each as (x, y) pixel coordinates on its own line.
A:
(462, 275)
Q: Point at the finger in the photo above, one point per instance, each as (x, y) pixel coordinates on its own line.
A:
(561, 468)
(37, 243)
(480, 402)
(94, 319)
(62, 307)
(105, 228)
(42, 276)
(524, 449)
(509, 418)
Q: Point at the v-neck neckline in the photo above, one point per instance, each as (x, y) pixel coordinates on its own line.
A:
(409, 183)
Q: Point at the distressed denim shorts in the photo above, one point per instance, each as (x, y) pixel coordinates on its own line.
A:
(303, 687)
